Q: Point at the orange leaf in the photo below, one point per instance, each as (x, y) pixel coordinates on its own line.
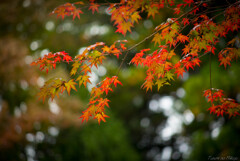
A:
(179, 71)
(182, 38)
(225, 61)
(124, 27)
(70, 85)
(116, 81)
(100, 117)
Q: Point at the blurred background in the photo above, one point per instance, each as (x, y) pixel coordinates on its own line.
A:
(172, 124)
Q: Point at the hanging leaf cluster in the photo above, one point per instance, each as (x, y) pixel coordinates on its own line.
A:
(204, 33)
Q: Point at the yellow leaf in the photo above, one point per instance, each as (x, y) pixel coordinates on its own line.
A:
(135, 17)
(75, 66)
(157, 39)
(83, 79)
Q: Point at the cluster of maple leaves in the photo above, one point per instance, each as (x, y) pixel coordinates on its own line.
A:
(82, 64)
(221, 105)
(204, 34)
(49, 60)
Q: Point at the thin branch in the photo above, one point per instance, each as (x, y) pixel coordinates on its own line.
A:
(210, 72)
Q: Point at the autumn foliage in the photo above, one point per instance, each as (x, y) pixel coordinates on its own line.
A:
(219, 104)
(204, 33)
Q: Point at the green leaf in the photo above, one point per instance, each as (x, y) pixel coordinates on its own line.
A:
(161, 82)
(169, 76)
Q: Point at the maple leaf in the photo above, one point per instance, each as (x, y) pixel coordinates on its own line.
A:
(220, 110)
(186, 49)
(210, 37)
(75, 66)
(169, 75)
(221, 31)
(177, 10)
(149, 82)
(177, 65)
(42, 95)
(67, 58)
(218, 94)
(63, 10)
(137, 59)
(210, 49)
(214, 95)
(123, 47)
(157, 39)
(167, 66)
(179, 71)
(47, 62)
(76, 12)
(185, 21)
(83, 79)
(100, 117)
(233, 111)
(57, 59)
(225, 61)
(158, 69)
(188, 63)
(170, 54)
(96, 92)
(202, 44)
(85, 116)
(51, 88)
(161, 82)
(213, 108)
(196, 61)
(169, 38)
(194, 11)
(93, 7)
(106, 49)
(208, 94)
(66, 10)
(182, 38)
(103, 102)
(116, 81)
(85, 69)
(96, 57)
(106, 85)
(148, 85)
(135, 17)
(152, 10)
(124, 27)
(70, 85)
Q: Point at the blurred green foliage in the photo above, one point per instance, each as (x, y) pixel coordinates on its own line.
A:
(172, 124)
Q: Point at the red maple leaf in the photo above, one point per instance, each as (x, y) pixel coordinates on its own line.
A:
(76, 12)
(67, 58)
(93, 7)
(179, 71)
